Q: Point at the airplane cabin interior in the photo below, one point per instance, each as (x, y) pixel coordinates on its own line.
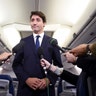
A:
(71, 22)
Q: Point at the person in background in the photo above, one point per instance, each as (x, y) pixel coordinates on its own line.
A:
(86, 62)
(33, 81)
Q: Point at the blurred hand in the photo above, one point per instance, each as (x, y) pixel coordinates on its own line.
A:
(33, 83)
(79, 50)
(48, 65)
(45, 63)
(5, 55)
(36, 83)
(70, 57)
(44, 83)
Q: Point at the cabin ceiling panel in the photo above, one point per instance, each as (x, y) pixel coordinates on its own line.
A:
(64, 12)
(57, 11)
(12, 11)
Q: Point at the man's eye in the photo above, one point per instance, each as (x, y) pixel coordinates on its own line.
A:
(38, 20)
(32, 20)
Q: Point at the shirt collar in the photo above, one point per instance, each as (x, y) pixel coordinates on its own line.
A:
(41, 35)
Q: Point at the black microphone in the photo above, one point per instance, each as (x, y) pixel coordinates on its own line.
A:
(40, 52)
(41, 55)
(54, 42)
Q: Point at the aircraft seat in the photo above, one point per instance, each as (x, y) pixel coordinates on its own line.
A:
(4, 77)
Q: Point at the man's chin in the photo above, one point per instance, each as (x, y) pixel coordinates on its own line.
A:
(35, 31)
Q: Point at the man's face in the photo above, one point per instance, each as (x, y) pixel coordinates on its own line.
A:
(37, 24)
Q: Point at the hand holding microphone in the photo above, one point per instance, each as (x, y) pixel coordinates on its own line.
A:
(51, 67)
(45, 63)
(6, 56)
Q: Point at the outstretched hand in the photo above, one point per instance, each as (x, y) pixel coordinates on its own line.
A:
(70, 57)
(45, 63)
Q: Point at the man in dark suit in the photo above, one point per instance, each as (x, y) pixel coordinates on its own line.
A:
(30, 74)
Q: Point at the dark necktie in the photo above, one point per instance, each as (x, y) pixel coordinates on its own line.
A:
(37, 42)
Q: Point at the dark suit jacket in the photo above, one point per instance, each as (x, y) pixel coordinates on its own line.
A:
(27, 63)
(88, 64)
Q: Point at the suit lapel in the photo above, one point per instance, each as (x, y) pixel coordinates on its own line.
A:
(44, 41)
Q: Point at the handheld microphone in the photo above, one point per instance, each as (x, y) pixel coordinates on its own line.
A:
(40, 52)
(41, 55)
(54, 42)
(15, 50)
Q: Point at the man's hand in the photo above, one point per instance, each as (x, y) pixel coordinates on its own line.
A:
(44, 83)
(70, 57)
(33, 82)
(36, 83)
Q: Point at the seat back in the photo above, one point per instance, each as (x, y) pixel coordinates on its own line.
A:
(10, 85)
(4, 87)
(15, 84)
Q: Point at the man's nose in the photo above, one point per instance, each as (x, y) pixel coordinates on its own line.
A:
(34, 22)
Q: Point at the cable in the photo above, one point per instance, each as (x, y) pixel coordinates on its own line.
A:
(47, 86)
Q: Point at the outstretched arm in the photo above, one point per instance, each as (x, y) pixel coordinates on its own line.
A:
(51, 67)
(83, 49)
(65, 75)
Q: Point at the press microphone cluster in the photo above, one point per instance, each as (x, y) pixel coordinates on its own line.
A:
(41, 56)
(54, 43)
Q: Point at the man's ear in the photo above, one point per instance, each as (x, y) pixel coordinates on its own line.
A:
(44, 24)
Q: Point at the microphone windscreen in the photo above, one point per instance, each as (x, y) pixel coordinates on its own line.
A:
(53, 42)
(18, 47)
(40, 52)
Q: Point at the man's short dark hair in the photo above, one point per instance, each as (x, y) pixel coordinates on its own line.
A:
(40, 14)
